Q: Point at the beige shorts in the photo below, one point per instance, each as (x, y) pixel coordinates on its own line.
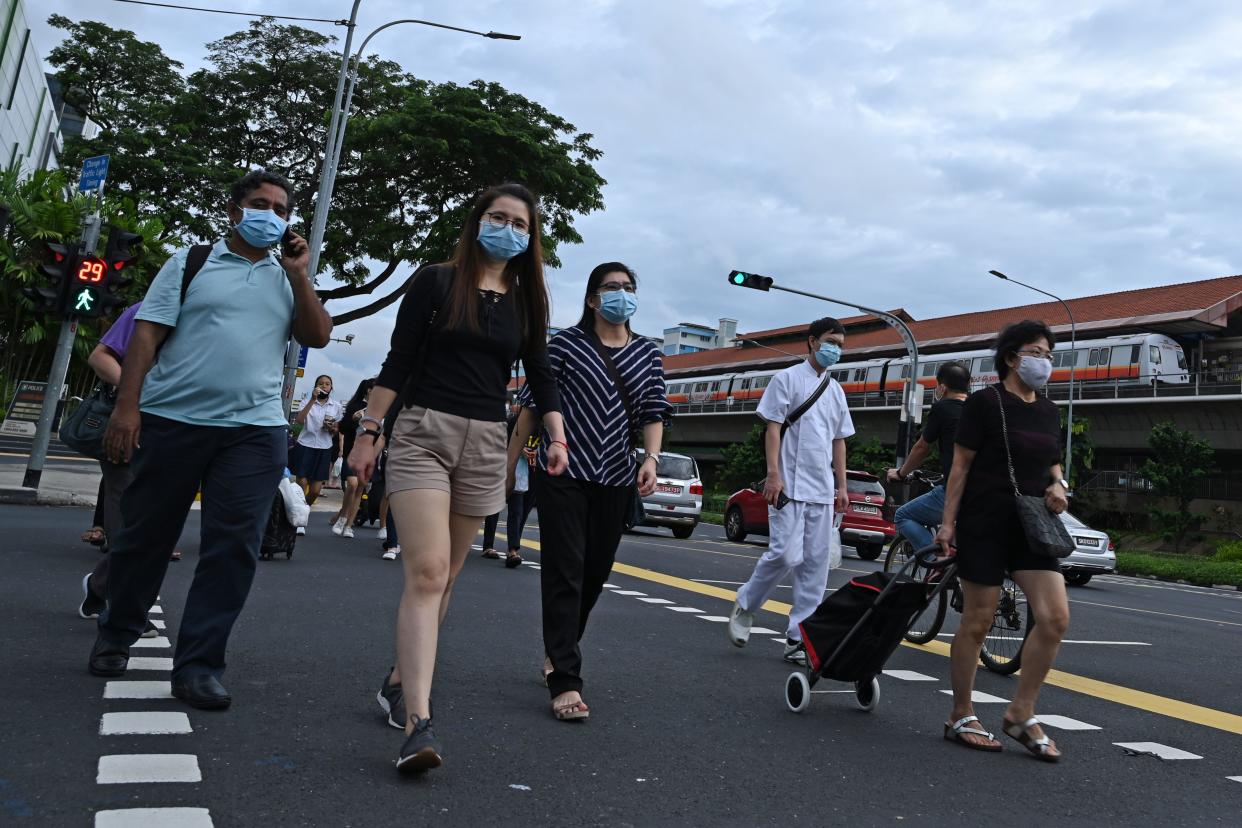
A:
(464, 457)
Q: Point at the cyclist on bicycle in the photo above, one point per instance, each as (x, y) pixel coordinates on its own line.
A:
(915, 517)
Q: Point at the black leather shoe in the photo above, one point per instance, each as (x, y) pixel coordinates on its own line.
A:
(107, 659)
(202, 691)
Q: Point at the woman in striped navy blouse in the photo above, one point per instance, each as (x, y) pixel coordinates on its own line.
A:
(582, 513)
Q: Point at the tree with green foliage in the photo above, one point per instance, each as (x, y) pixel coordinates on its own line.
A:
(1179, 460)
(744, 463)
(1083, 460)
(868, 455)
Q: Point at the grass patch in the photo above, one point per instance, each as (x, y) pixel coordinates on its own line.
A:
(711, 517)
(1194, 570)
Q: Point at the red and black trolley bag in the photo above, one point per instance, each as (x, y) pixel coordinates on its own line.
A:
(854, 631)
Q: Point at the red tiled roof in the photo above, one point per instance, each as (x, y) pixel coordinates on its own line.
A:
(1190, 306)
(847, 321)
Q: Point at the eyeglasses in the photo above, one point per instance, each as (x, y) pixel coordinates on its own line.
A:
(1038, 354)
(613, 287)
(500, 220)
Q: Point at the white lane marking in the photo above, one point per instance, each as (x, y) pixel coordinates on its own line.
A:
(144, 723)
(1065, 722)
(695, 610)
(149, 663)
(611, 586)
(655, 601)
(1234, 778)
(629, 592)
(720, 619)
(132, 768)
(158, 643)
(908, 675)
(155, 818)
(735, 583)
(158, 624)
(138, 690)
(763, 631)
(1154, 612)
(979, 697)
(156, 610)
(1156, 749)
(1189, 589)
(1063, 641)
(780, 640)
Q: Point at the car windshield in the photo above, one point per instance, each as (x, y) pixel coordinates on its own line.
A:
(864, 486)
(678, 468)
(1070, 520)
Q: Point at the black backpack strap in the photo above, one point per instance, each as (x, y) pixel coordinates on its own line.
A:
(194, 262)
(619, 381)
(806, 405)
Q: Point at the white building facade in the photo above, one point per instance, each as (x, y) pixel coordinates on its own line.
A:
(689, 337)
(29, 126)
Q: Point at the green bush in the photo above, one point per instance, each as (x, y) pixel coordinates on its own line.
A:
(1229, 551)
(1202, 571)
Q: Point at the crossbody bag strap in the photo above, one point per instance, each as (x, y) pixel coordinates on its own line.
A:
(1013, 478)
(619, 381)
(806, 405)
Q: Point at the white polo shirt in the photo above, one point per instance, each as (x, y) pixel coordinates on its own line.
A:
(314, 435)
(806, 450)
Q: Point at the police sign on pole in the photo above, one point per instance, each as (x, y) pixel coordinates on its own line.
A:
(94, 171)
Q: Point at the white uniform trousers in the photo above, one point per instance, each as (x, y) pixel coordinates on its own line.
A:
(799, 536)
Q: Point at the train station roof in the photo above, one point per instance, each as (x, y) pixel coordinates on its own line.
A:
(1210, 306)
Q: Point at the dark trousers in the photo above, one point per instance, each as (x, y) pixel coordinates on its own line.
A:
(580, 526)
(238, 469)
(112, 485)
(518, 509)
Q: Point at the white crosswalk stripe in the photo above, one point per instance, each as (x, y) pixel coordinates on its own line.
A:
(1156, 749)
(138, 690)
(154, 818)
(134, 768)
(908, 675)
(149, 663)
(158, 643)
(144, 723)
(1064, 722)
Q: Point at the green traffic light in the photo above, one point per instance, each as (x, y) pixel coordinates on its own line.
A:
(739, 278)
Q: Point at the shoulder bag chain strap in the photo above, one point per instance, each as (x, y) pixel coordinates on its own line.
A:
(1005, 434)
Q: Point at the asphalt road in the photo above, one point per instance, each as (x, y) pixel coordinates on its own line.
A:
(685, 729)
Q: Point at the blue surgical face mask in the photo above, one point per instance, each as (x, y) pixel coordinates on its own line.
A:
(501, 243)
(617, 306)
(828, 355)
(261, 228)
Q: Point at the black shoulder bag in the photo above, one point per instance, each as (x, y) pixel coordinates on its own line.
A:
(635, 514)
(83, 431)
(1045, 533)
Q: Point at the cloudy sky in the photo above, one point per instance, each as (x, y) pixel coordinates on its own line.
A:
(889, 153)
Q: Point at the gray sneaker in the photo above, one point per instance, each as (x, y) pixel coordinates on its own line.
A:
(740, 622)
(392, 700)
(421, 751)
(795, 653)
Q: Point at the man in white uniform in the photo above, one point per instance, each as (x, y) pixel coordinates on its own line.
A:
(800, 488)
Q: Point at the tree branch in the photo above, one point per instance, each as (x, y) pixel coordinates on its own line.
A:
(374, 307)
(358, 290)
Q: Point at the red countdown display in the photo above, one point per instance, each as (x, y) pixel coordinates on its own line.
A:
(92, 270)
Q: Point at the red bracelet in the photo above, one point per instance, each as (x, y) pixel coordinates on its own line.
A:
(560, 443)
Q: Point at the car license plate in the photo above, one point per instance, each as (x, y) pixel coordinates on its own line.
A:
(866, 510)
(1093, 543)
(665, 488)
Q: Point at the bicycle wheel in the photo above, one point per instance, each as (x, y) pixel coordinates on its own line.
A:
(899, 551)
(926, 625)
(1002, 649)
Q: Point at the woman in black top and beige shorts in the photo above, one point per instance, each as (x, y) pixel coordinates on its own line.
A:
(460, 328)
(981, 521)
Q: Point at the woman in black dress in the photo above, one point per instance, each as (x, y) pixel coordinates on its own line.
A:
(981, 520)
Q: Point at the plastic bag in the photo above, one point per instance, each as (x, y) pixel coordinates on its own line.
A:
(834, 542)
(296, 509)
(336, 468)
(521, 476)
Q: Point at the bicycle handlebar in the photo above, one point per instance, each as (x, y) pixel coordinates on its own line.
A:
(929, 556)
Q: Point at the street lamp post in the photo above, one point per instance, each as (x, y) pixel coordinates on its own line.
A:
(332, 157)
(1069, 430)
(739, 342)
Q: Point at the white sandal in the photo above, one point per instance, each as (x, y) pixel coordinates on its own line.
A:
(956, 731)
(1038, 747)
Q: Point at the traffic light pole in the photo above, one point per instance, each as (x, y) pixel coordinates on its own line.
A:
(60, 363)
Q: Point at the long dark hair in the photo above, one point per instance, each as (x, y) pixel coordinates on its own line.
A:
(357, 400)
(587, 322)
(524, 271)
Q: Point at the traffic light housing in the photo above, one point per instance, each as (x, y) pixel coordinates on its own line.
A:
(49, 296)
(119, 256)
(739, 278)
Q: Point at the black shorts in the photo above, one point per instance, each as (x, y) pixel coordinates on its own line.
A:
(985, 557)
(313, 464)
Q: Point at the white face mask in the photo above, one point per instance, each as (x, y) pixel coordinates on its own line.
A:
(1034, 371)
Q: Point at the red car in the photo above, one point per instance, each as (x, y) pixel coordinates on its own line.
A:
(867, 525)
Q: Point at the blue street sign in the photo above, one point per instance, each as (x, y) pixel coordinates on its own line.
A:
(302, 356)
(94, 171)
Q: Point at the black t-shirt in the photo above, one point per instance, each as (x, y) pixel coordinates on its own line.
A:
(941, 428)
(1035, 439)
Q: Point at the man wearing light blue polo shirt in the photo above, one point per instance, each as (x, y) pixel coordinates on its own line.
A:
(206, 415)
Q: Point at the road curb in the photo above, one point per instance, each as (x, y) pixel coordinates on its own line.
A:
(1227, 587)
(44, 497)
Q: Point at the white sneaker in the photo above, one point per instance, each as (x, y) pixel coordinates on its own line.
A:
(739, 625)
(391, 554)
(301, 530)
(382, 533)
(347, 532)
(795, 653)
(339, 527)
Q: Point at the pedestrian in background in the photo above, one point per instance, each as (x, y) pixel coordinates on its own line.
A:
(611, 386)
(804, 485)
(320, 418)
(208, 415)
(351, 499)
(461, 326)
(981, 525)
(518, 506)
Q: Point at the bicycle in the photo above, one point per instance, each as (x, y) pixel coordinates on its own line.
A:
(1002, 649)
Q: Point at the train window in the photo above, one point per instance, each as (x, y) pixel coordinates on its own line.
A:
(700, 386)
(1181, 360)
(840, 375)
(1154, 352)
(985, 365)
(745, 385)
(928, 369)
(1134, 354)
(905, 371)
(762, 382)
(1094, 357)
(860, 374)
(673, 389)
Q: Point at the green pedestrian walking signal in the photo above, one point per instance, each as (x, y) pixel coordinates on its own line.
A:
(85, 301)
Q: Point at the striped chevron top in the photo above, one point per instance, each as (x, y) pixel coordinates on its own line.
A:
(595, 421)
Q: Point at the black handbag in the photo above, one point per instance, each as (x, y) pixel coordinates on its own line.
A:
(635, 513)
(84, 430)
(1045, 533)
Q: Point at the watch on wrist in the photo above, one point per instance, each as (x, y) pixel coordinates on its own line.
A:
(652, 456)
(1064, 483)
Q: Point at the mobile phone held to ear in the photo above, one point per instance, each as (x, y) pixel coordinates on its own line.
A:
(285, 241)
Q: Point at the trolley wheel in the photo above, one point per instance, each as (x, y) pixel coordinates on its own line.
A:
(867, 694)
(289, 554)
(797, 692)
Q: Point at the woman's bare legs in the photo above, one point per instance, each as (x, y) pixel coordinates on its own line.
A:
(1045, 592)
(353, 499)
(431, 565)
(312, 489)
(979, 607)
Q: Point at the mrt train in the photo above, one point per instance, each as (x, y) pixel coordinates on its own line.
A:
(1138, 359)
